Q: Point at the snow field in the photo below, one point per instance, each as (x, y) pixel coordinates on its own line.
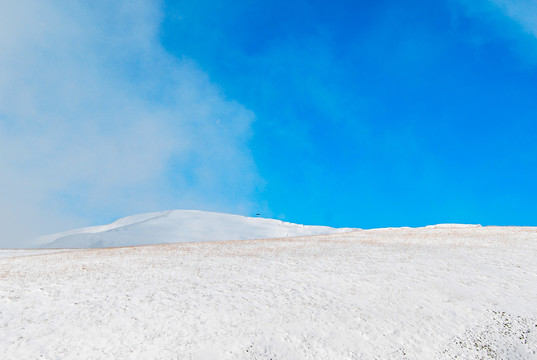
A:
(28, 252)
(430, 293)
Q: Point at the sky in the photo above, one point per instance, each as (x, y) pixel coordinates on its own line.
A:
(342, 113)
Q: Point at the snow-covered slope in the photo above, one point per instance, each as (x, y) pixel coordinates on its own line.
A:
(445, 292)
(179, 226)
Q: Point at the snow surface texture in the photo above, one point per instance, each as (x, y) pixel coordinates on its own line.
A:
(27, 252)
(179, 226)
(428, 293)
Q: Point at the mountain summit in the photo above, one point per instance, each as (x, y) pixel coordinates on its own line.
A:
(179, 226)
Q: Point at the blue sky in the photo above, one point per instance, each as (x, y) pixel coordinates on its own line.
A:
(380, 113)
(342, 113)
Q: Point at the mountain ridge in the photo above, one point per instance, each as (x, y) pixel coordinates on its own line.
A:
(180, 226)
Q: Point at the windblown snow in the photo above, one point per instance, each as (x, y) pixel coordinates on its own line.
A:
(445, 292)
(179, 226)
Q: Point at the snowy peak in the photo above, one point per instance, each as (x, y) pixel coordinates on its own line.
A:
(179, 226)
(450, 226)
(174, 226)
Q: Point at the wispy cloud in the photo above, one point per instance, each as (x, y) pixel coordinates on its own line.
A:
(97, 119)
(514, 21)
(523, 12)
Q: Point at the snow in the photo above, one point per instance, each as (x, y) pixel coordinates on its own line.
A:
(27, 252)
(179, 226)
(428, 293)
(440, 226)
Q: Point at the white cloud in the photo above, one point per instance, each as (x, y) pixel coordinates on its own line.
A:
(514, 21)
(511, 17)
(97, 120)
(523, 12)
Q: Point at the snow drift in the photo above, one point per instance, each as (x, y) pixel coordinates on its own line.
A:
(179, 226)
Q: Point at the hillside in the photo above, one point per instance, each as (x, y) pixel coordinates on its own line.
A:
(179, 226)
(446, 292)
